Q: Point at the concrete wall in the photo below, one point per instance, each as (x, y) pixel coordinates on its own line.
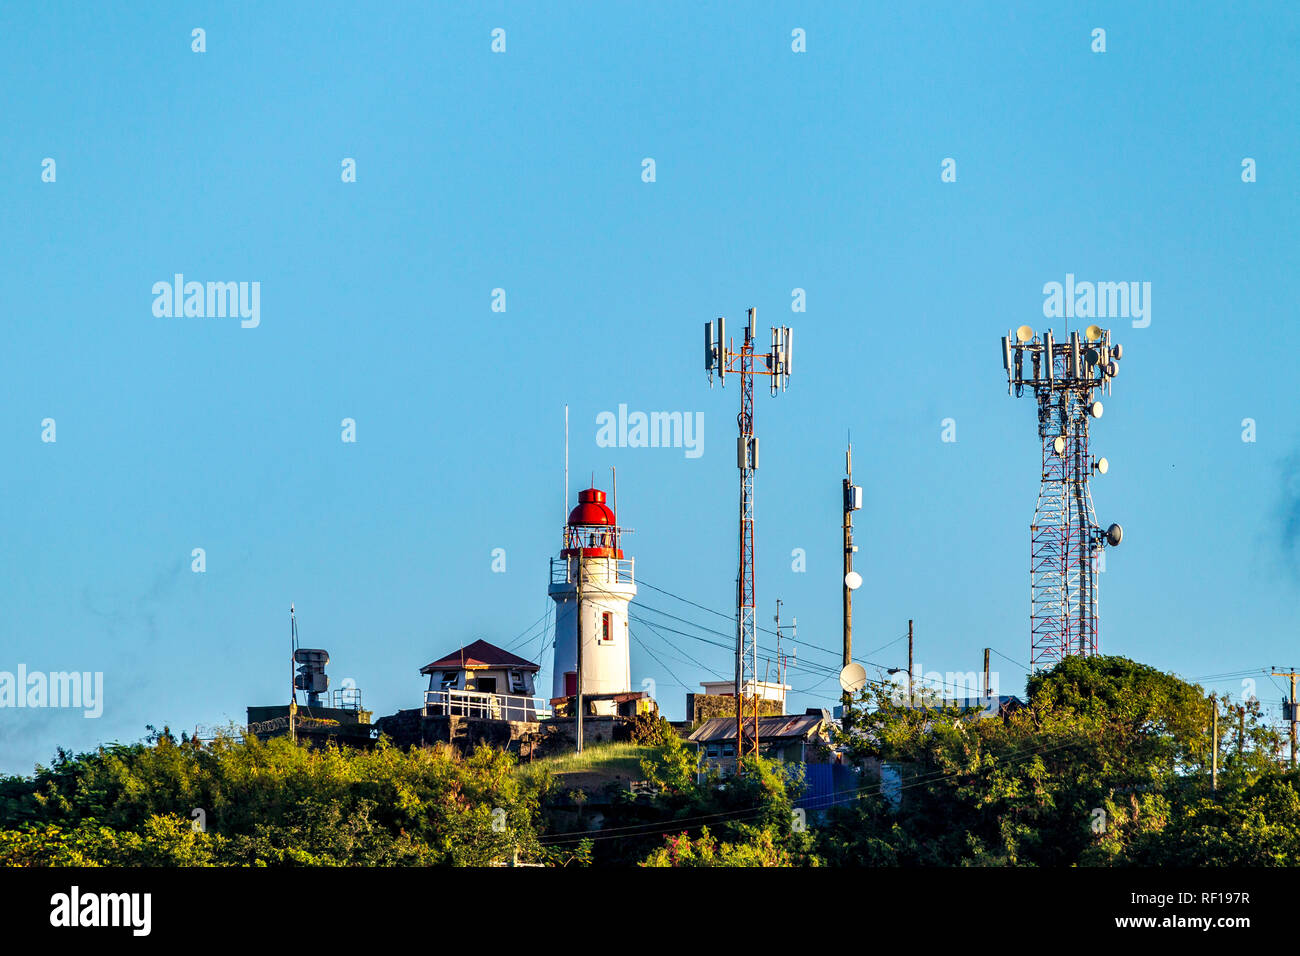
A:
(410, 728)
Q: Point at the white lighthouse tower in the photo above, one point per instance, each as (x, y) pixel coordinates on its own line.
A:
(594, 613)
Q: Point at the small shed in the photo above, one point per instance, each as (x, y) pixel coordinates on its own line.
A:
(481, 679)
(482, 667)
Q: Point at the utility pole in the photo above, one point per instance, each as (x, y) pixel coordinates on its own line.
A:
(293, 684)
(848, 556)
(852, 580)
(1214, 738)
(577, 695)
(988, 689)
(1241, 730)
(1292, 716)
(779, 678)
(909, 664)
(777, 619)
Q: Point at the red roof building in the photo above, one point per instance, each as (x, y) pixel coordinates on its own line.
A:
(480, 656)
(482, 680)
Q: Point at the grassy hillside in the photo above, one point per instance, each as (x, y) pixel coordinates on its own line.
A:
(597, 766)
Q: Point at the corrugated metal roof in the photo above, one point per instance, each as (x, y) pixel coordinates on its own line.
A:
(783, 727)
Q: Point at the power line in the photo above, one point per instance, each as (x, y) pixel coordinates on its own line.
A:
(657, 828)
(643, 646)
(822, 668)
(817, 668)
(901, 637)
(1230, 674)
(526, 635)
(732, 618)
(688, 657)
(1013, 661)
(811, 687)
(695, 637)
(766, 649)
(547, 629)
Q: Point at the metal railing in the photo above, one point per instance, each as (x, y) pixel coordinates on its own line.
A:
(345, 698)
(485, 706)
(341, 698)
(596, 571)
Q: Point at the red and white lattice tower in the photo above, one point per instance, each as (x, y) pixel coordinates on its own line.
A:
(1066, 544)
(720, 357)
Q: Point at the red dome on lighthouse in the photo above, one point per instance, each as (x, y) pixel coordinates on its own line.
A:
(591, 509)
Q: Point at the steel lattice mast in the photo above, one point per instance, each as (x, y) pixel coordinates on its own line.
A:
(1065, 541)
(746, 635)
(720, 357)
(1049, 541)
(1086, 539)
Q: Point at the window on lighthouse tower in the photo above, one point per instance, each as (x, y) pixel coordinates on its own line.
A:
(607, 628)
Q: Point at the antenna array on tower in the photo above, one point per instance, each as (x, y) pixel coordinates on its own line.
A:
(1066, 543)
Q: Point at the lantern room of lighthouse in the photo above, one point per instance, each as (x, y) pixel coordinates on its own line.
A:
(592, 584)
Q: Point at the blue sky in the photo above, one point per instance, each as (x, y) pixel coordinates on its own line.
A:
(522, 170)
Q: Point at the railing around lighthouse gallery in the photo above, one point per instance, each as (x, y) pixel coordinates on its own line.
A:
(594, 571)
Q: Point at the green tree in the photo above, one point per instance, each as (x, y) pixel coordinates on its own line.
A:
(679, 849)
(1258, 825)
(1106, 750)
(673, 766)
(272, 803)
